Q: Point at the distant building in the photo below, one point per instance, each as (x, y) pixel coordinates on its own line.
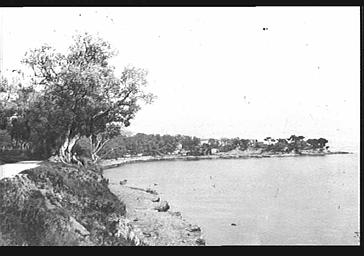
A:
(183, 152)
(214, 150)
(178, 149)
(253, 143)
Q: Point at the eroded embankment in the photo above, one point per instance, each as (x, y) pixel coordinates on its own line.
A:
(55, 204)
(151, 221)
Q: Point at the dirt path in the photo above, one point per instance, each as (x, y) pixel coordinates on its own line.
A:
(10, 170)
(151, 226)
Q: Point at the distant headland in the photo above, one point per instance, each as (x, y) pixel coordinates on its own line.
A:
(143, 147)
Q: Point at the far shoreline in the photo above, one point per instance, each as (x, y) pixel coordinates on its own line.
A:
(114, 163)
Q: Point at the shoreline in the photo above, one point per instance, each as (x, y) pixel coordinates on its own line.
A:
(148, 220)
(168, 228)
(113, 163)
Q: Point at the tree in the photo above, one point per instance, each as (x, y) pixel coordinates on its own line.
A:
(169, 144)
(190, 144)
(81, 90)
(244, 144)
(116, 147)
(5, 139)
(205, 149)
(296, 143)
(98, 141)
(235, 142)
(214, 143)
(322, 142)
(14, 102)
(313, 143)
(227, 145)
(281, 145)
(317, 143)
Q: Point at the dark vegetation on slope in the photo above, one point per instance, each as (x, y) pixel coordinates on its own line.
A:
(13, 156)
(57, 204)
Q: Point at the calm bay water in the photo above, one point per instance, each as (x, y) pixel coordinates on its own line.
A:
(293, 200)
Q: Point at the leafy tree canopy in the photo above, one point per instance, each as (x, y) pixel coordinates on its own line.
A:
(77, 93)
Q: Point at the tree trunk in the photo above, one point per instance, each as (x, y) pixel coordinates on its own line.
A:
(92, 149)
(96, 144)
(65, 152)
(94, 157)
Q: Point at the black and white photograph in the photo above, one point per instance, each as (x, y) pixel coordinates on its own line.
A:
(180, 126)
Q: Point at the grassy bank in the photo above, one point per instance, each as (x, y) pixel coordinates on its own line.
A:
(66, 205)
(55, 204)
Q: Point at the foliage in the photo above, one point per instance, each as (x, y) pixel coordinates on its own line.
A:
(71, 95)
(317, 143)
(154, 145)
(73, 104)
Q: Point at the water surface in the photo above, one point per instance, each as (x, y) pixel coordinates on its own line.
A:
(293, 200)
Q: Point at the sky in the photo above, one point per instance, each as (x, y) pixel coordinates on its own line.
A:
(215, 71)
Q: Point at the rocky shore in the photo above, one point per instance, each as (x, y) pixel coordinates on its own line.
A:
(151, 222)
(161, 227)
